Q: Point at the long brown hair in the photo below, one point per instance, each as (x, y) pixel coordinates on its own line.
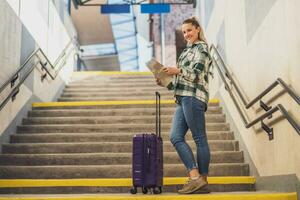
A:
(195, 23)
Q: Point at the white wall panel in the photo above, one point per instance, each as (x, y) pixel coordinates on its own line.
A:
(57, 34)
(34, 15)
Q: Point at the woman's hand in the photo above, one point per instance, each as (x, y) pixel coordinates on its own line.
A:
(171, 70)
(158, 82)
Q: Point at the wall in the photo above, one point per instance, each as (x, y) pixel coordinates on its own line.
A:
(143, 38)
(26, 25)
(173, 21)
(260, 42)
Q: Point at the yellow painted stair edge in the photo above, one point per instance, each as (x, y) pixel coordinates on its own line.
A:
(99, 103)
(212, 196)
(115, 182)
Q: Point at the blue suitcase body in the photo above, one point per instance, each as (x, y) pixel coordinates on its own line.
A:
(147, 158)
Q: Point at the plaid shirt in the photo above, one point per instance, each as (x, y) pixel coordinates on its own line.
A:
(193, 79)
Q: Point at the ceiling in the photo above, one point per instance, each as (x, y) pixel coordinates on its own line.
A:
(92, 27)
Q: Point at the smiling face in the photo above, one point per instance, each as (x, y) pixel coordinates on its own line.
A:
(190, 33)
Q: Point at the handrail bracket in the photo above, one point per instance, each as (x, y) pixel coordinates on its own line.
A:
(267, 129)
(265, 107)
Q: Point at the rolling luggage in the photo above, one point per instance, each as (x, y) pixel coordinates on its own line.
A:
(147, 158)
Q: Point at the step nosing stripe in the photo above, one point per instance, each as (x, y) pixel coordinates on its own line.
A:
(114, 182)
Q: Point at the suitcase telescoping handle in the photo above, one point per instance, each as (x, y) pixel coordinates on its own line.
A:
(158, 122)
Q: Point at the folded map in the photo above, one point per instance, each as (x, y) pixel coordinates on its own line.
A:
(157, 69)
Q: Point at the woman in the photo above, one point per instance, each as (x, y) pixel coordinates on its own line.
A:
(190, 87)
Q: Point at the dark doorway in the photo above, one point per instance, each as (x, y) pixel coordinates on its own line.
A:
(179, 42)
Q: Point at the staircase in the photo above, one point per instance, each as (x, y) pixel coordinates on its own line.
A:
(82, 144)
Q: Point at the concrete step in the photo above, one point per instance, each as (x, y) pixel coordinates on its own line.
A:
(105, 158)
(93, 138)
(100, 106)
(167, 195)
(101, 137)
(104, 191)
(112, 104)
(104, 105)
(217, 118)
(119, 85)
(136, 81)
(115, 90)
(101, 147)
(120, 185)
(108, 87)
(114, 77)
(113, 128)
(127, 77)
(111, 98)
(146, 95)
(145, 79)
(97, 112)
(111, 171)
(116, 82)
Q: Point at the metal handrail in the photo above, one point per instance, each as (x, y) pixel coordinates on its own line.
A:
(84, 65)
(78, 56)
(19, 70)
(29, 58)
(270, 110)
(43, 65)
(15, 90)
(61, 55)
(228, 74)
(230, 92)
(279, 81)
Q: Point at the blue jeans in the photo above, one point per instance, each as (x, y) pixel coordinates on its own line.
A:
(189, 114)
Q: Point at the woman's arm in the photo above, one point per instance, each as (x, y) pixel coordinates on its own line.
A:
(171, 70)
(191, 73)
(169, 87)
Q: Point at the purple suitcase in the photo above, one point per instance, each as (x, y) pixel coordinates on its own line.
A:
(147, 158)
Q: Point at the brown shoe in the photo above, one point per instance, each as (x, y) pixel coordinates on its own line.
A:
(192, 186)
(204, 190)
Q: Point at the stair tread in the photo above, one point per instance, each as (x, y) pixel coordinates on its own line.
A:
(105, 142)
(245, 195)
(121, 108)
(106, 154)
(217, 118)
(109, 171)
(110, 166)
(102, 136)
(116, 117)
(79, 139)
(118, 124)
(67, 147)
(104, 133)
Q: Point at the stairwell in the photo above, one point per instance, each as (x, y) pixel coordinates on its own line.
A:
(82, 144)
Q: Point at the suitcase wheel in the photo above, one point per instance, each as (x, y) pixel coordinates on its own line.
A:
(133, 190)
(157, 190)
(144, 190)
